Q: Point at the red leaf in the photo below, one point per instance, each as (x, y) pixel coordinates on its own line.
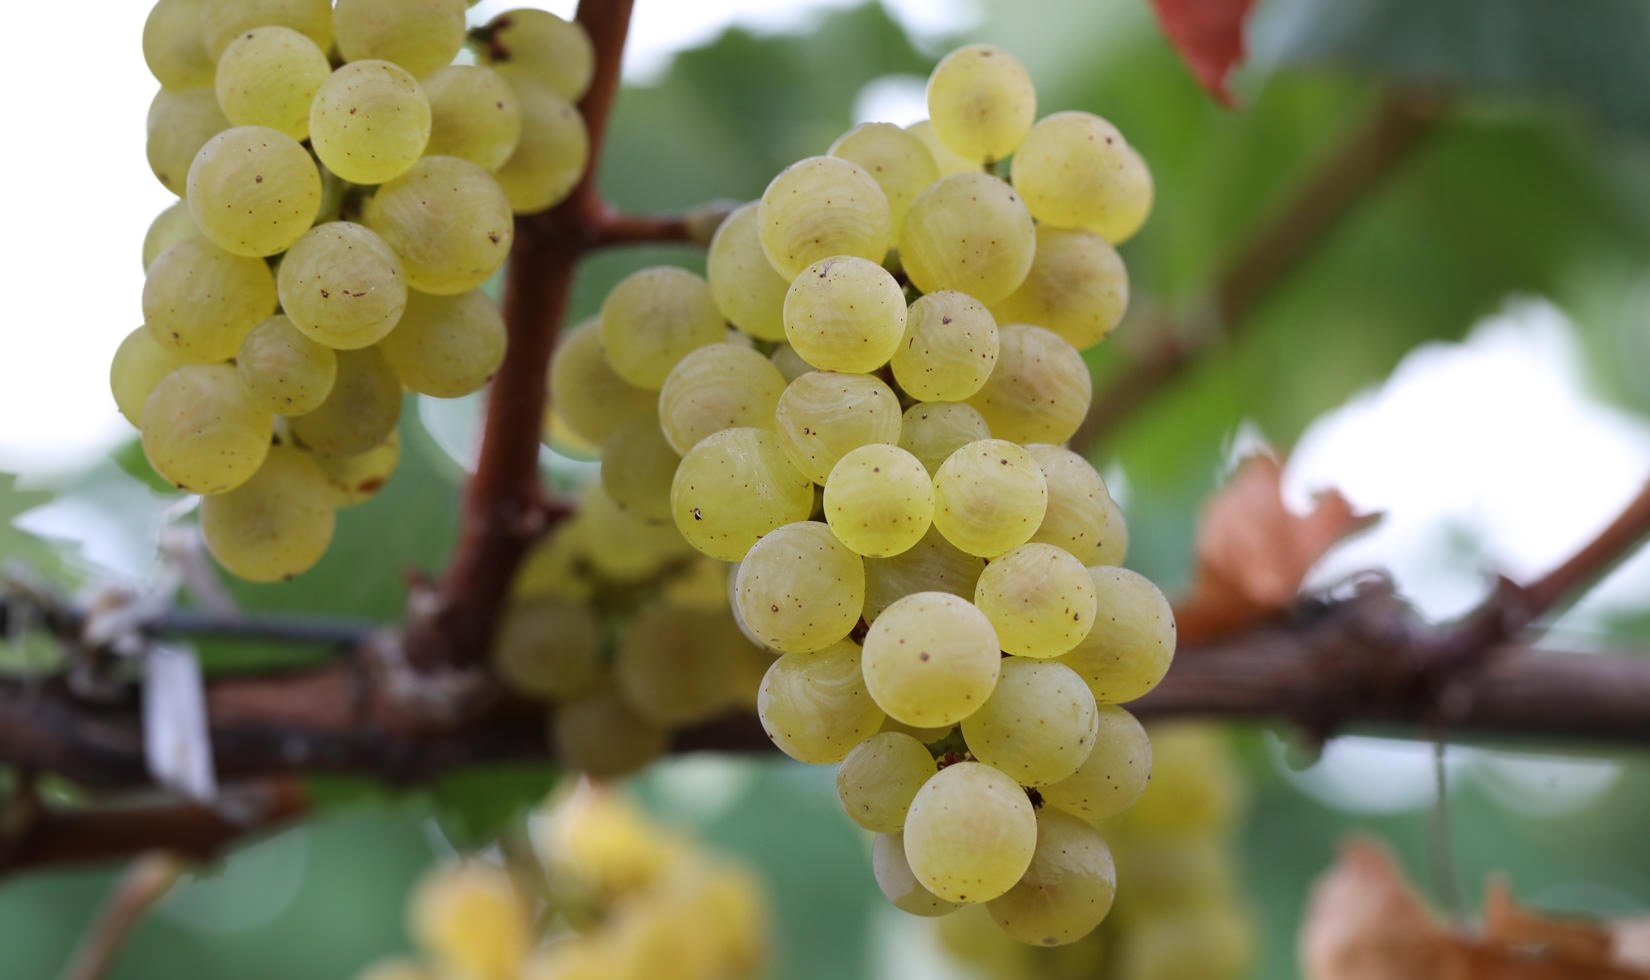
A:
(1209, 35)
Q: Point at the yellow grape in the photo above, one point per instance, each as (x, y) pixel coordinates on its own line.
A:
(931, 431)
(586, 391)
(750, 294)
(734, 487)
(284, 371)
(790, 364)
(989, 497)
(549, 650)
(822, 415)
(1195, 790)
(821, 207)
(970, 233)
(898, 161)
(369, 122)
(418, 35)
(1040, 389)
(137, 367)
(180, 123)
(930, 565)
(253, 190)
(446, 346)
(898, 884)
(799, 589)
(554, 568)
(275, 525)
(949, 348)
(1132, 643)
(359, 412)
(603, 735)
(1114, 774)
(200, 301)
(1170, 872)
(621, 546)
(879, 500)
(1077, 287)
(655, 317)
(877, 780)
(172, 46)
(981, 102)
(703, 585)
(970, 833)
(1038, 725)
(722, 386)
(202, 431)
(845, 314)
(1039, 598)
(449, 222)
(1213, 941)
(474, 115)
(1115, 547)
(471, 919)
(551, 154)
(224, 20)
(342, 285)
(945, 160)
(537, 44)
(1067, 889)
(268, 76)
(356, 479)
(638, 466)
(931, 659)
(673, 663)
(171, 226)
(814, 706)
(1076, 171)
(1080, 516)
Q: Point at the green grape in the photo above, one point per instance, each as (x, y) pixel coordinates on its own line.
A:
(821, 207)
(845, 314)
(603, 735)
(1194, 789)
(1039, 598)
(814, 706)
(931, 659)
(253, 190)
(722, 386)
(1080, 510)
(989, 497)
(275, 525)
(898, 884)
(970, 833)
(356, 479)
(1172, 872)
(981, 102)
(474, 115)
(702, 584)
(822, 415)
(790, 364)
(1114, 774)
(342, 285)
(172, 45)
(750, 294)
(945, 160)
(673, 663)
(931, 431)
(799, 589)
(268, 76)
(471, 919)
(930, 565)
(1132, 643)
(554, 567)
(898, 161)
(970, 233)
(734, 487)
(138, 365)
(1067, 889)
(1038, 725)
(585, 390)
(360, 411)
(418, 35)
(1077, 287)
(449, 222)
(949, 348)
(879, 500)
(537, 44)
(180, 123)
(623, 547)
(224, 20)
(551, 154)
(284, 371)
(1207, 941)
(1114, 546)
(655, 317)
(171, 226)
(1040, 389)
(446, 346)
(202, 431)
(878, 779)
(924, 735)
(638, 466)
(200, 301)
(1076, 171)
(369, 122)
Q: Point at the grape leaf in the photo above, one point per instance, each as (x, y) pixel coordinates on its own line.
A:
(1209, 36)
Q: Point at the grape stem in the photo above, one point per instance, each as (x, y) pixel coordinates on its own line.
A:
(146, 882)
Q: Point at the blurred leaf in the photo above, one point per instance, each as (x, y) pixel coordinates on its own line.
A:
(474, 804)
(132, 461)
(19, 547)
(1209, 35)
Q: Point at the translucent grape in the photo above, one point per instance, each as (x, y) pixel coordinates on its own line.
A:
(180, 123)
(360, 411)
(268, 76)
(369, 122)
(898, 161)
(879, 500)
(898, 884)
(275, 525)
(356, 479)
(932, 431)
(171, 226)
(945, 160)
(200, 301)
(821, 207)
(601, 734)
(587, 392)
(1170, 872)
(1114, 774)
(551, 154)
(1131, 645)
(474, 115)
(471, 918)
(1038, 725)
(446, 346)
(750, 294)
(799, 589)
(673, 663)
(449, 222)
(342, 285)
(1080, 509)
(845, 314)
(202, 431)
(814, 705)
(224, 20)
(732, 488)
(638, 466)
(1067, 889)
(418, 35)
(138, 365)
(722, 386)
(1077, 287)
(655, 317)
(1206, 940)
(970, 233)
(1194, 791)
(623, 547)
(931, 659)
(172, 45)
(537, 44)
(821, 416)
(949, 348)
(1040, 389)
(981, 102)
(1076, 171)
(879, 778)
(1039, 598)
(989, 497)
(284, 371)
(253, 190)
(970, 833)
(790, 364)
(1115, 546)
(930, 565)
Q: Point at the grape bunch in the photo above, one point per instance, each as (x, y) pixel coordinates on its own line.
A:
(607, 894)
(345, 192)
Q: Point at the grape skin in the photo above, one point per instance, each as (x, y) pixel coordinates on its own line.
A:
(201, 301)
(879, 500)
(139, 364)
(538, 45)
(342, 285)
(1081, 516)
(448, 220)
(446, 346)
(603, 735)
(732, 488)
(814, 706)
(931, 659)
(790, 364)
(171, 226)
(284, 371)
(474, 115)
(224, 20)
(268, 76)
(1114, 774)
(1067, 889)
(949, 348)
(822, 207)
(930, 565)
(638, 466)
(586, 391)
(253, 190)
(845, 314)
(947, 161)
(898, 884)
(799, 589)
(989, 497)
(897, 160)
(1077, 287)
(1130, 647)
(1039, 598)
(1038, 725)
(981, 102)
(750, 294)
(275, 525)
(1076, 171)
(655, 317)
(172, 46)
(970, 233)
(202, 431)
(357, 478)
(878, 779)
(672, 663)
(822, 415)
(718, 387)
(180, 123)
(932, 431)
(419, 35)
(471, 917)
(360, 411)
(550, 155)
(369, 122)
(1039, 390)
(970, 833)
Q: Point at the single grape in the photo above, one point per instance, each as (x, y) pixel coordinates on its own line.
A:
(1039, 598)
(799, 589)
(822, 207)
(814, 705)
(550, 155)
(449, 222)
(284, 371)
(369, 122)
(672, 663)
(202, 431)
(1078, 287)
(1080, 509)
(734, 487)
(356, 479)
(171, 226)
(1114, 774)
(471, 918)
(1131, 645)
(268, 76)
(655, 317)
(970, 833)
(931, 659)
(474, 115)
(446, 346)
(930, 565)
(750, 294)
(823, 415)
(275, 525)
(879, 778)
(638, 466)
(879, 500)
(342, 285)
(200, 301)
(603, 735)
(845, 314)
(1067, 889)
(1076, 171)
(945, 160)
(898, 161)
(932, 431)
(718, 387)
(418, 35)
(587, 392)
(538, 45)
(970, 233)
(172, 46)
(359, 412)
(180, 123)
(224, 20)
(137, 367)
(989, 497)
(1040, 389)
(981, 102)
(949, 348)
(898, 884)
(253, 190)
(790, 364)
(1038, 725)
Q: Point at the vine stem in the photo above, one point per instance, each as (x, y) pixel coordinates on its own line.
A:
(146, 882)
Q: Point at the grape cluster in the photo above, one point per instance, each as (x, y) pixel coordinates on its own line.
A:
(609, 894)
(346, 190)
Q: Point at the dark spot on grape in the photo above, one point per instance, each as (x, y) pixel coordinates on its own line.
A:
(945, 319)
(697, 515)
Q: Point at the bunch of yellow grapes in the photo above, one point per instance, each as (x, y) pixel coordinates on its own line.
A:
(345, 191)
(609, 896)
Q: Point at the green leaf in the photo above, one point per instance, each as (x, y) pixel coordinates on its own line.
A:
(475, 804)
